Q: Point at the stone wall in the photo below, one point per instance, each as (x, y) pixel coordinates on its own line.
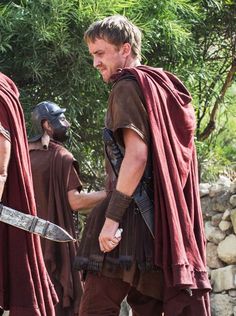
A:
(219, 212)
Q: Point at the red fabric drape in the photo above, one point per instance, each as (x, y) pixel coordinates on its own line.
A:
(25, 287)
(179, 231)
(51, 176)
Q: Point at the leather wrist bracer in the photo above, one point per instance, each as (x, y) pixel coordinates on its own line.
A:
(118, 204)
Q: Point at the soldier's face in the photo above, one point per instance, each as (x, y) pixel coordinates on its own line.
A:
(60, 127)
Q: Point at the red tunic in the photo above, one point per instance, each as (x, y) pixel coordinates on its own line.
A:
(25, 288)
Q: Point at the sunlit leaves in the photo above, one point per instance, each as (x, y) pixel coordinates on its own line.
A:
(42, 49)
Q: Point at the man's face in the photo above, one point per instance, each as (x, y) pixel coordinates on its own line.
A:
(107, 58)
(60, 127)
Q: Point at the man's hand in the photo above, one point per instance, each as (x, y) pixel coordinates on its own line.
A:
(107, 239)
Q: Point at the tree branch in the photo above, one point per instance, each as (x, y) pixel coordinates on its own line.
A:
(212, 122)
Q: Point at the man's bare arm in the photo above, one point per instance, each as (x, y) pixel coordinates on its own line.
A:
(5, 152)
(82, 201)
(130, 174)
(133, 164)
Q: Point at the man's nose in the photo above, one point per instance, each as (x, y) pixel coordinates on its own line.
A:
(96, 62)
(68, 124)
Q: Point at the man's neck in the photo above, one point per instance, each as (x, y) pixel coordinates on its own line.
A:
(131, 62)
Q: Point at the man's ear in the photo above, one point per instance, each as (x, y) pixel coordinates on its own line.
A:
(47, 126)
(126, 49)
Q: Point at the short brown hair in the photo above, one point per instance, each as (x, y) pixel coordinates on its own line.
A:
(117, 30)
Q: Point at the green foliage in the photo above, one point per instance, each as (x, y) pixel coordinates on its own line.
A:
(213, 161)
(215, 38)
(42, 49)
(217, 155)
(52, 63)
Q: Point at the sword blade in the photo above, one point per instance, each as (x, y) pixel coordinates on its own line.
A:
(34, 224)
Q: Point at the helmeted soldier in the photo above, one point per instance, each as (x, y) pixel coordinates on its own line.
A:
(58, 194)
(48, 116)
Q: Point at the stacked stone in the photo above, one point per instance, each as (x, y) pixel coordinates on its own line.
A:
(219, 212)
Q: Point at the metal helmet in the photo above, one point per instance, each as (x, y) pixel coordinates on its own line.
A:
(51, 112)
(45, 110)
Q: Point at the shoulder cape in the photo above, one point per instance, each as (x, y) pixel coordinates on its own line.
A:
(52, 193)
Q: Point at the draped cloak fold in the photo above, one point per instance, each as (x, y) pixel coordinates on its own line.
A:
(179, 232)
(52, 171)
(25, 288)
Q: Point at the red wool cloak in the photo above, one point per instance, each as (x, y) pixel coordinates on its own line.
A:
(52, 178)
(179, 232)
(25, 288)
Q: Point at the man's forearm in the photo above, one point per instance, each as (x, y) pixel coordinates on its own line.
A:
(5, 152)
(2, 185)
(81, 200)
(130, 174)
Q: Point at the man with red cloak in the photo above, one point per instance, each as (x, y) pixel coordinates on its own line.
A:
(25, 287)
(159, 262)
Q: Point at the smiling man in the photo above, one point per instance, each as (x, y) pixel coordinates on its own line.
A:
(158, 263)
